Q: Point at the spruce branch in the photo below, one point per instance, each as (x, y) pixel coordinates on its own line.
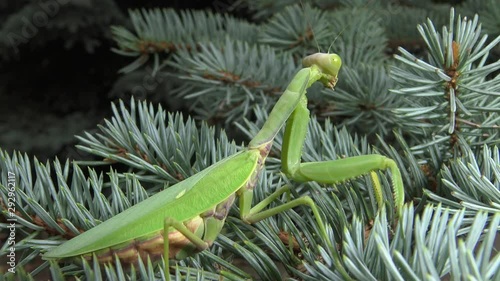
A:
(224, 81)
(350, 37)
(450, 93)
(163, 31)
(303, 30)
(472, 180)
(62, 201)
(424, 246)
(214, 75)
(400, 22)
(157, 146)
(262, 9)
(58, 200)
(297, 28)
(363, 102)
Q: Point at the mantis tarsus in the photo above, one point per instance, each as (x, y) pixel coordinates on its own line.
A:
(192, 212)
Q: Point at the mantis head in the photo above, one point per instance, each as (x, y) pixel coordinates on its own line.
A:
(329, 65)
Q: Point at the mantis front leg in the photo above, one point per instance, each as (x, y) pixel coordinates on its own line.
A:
(331, 172)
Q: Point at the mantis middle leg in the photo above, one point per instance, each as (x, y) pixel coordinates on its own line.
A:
(199, 243)
(254, 214)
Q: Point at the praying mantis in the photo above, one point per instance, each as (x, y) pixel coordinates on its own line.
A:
(187, 217)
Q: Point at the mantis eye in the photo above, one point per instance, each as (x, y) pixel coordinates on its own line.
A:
(328, 63)
(335, 64)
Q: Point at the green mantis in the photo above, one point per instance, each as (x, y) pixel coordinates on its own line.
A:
(187, 217)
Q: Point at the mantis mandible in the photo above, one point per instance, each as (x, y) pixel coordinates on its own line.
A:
(187, 217)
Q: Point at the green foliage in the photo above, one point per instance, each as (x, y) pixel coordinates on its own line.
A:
(434, 110)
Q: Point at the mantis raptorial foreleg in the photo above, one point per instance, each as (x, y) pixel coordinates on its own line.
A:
(334, 171)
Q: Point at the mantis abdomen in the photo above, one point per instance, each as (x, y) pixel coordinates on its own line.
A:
(152, 246)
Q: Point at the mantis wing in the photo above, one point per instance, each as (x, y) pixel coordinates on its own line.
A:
(182, 201)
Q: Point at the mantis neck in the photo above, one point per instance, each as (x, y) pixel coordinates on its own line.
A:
(295, 91)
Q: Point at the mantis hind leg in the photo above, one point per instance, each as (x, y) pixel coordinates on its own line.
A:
(199, 243)
(335, 171)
